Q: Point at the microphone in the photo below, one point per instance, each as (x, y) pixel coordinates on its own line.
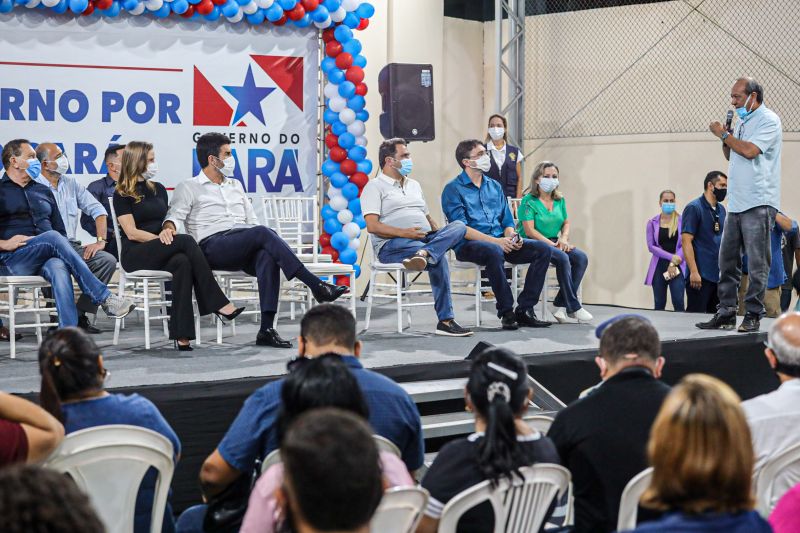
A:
(728, 120)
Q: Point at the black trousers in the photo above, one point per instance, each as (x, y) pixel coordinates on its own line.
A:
(189, 268)
(702, 300)
(260, 252)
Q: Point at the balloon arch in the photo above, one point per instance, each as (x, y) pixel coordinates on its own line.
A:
(346, 165)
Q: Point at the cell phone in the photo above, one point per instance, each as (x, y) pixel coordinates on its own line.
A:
(431, 232)
(667, 276)
(516, 238)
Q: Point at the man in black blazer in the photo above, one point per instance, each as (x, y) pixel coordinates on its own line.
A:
(602, 437)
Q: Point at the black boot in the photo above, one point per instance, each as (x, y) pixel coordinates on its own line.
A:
(719, 321)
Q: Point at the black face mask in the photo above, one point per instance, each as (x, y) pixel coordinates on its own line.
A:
(720, 194)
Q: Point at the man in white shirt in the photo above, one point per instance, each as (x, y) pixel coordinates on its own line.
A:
(774, 418)
(402, 229)
(217, 213)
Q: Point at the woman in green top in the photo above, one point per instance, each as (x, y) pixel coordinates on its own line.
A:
(543, 216)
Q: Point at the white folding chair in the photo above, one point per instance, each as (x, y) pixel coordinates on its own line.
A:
(541, 423)
(400, 510)
(23, 298)
(241, 289)
(629, 502)
(477, 272)
(108, 464)
(766, 494)
(520, 506)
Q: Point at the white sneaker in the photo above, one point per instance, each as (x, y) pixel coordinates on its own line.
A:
(581, 315)
(561, 316)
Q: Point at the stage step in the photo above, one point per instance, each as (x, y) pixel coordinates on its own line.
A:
(435, 390)
(463, 423)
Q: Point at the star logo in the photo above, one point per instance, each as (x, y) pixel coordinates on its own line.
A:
(249, 97)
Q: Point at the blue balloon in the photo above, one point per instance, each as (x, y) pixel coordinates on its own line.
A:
(329, 167)
(332, 5)
(351, 20)
(348, 256)
(360, 221)
(304, 22)
(274, 12)
(365, 10)
(354, 206)
(362, 115)
(179, 6)
(162, 11)
(230, 8)
(357, 268)
(350, 191)
(17, 2)
(347, 140)
(242, 2)
(130, 5)
(356, 103)
(6, 6)
(357, 153)
(327, 64)
(352, 47)
(61, 7)
(78, 6)
(194, 2)
(320, 14)
(113, 10)
(343, 34)
(214, 15)
(360, 61)
(337, 128)
(338, 180)
(327, 212)
(364, 166)
(255, 19)
(331, 226)
(287, 4)
(347, 88)
(340, 241)
(336, 76)
(330, 116)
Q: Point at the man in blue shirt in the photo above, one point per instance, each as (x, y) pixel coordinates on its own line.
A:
(480, 202)
(33, 238)
(754, 169)
(102, 190)
(72, 198)
(703, 221)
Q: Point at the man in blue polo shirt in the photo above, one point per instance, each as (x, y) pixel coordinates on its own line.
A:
(480, 202)
(702, 223)
(754, 169)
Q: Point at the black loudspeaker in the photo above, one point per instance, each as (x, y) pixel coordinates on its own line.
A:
(407, 101)
(476, 351)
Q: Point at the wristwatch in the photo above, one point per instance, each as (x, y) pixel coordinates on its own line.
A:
(101, 239)
(725, 135)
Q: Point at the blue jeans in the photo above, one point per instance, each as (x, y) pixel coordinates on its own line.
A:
(436, 244)
(191, 520)
(51, 256)
(492, 258)
(676, 285)
(570, 268)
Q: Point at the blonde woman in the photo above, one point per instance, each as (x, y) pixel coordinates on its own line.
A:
(702, 461)
(542, 216)
(141, 205)
(667, 266)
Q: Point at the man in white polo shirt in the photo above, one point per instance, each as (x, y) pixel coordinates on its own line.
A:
(402, 229)
(753, 150)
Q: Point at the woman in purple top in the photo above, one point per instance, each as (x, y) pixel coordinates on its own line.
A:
(667, 267)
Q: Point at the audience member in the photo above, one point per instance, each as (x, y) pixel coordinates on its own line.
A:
(602, 437)
(73, 377)
(702, 462)
(34, 500)
(402, 230)
(543, 216)
(217, 213)
(506, 160)
(785, 518)
(498, 393)
(667, 267)
(140, 205)
(701, 233)
(72, 200)
(313, 383)
(774, 418)
(28, 433)
(479, 202)
(790, 253)
(33, 238)
(102, 190)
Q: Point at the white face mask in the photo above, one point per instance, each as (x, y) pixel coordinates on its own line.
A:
(483, 163)
(152, 170)
(228, 166)
(63, 165)
(548, 185)
(497, 133)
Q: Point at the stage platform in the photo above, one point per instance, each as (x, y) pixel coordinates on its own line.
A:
(200, 392)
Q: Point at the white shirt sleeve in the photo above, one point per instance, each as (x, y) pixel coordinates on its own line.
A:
(371, 200)
(249, 212)
(180, 206)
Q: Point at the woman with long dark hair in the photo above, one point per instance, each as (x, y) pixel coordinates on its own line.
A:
(505, 159)
(73, 391)
(498, 394)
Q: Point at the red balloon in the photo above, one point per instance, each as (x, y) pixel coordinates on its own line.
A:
(355, 74)
(218, 2)
(186, 14)
(361, 88)
(331, 140)
(281, 21)
(204, 7)
(324, 240)
(344, 60)
(363, 24)
(327, 35)
(333, 48)
(348, 167)
(103, 4)
(89, 10)
(331, 251)
(343, 280)
(360, 179)
(310, 5)
(296, 13)
(338, 154)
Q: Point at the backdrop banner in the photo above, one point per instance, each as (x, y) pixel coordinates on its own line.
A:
(87, 82)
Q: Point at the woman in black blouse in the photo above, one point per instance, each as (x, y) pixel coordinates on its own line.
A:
(140, 206)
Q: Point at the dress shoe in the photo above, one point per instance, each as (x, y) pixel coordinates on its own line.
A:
(718, 321)
(451, 328)
(230, 317)
(85, 325)
(750, 324)
(270, 337)
(528, 319)
(326, 292)
(509, 320)
(5, 335)
(183, 347)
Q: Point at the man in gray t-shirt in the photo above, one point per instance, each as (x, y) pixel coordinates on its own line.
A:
(402, 230)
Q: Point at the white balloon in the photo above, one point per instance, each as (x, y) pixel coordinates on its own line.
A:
(153, 5)
(350, 5)
(355, 244)
(331, 90)
(333, 192)
(347, 116)
(236, 18)
(265, 4)
(250, 8)
(357, 128)
(351, 229)
(338, 15)
(33, 3)
(324, 24)
(339, 203)
(50, 3)
(361, 141)
(337, 104)
(344, 215)
(138, 10)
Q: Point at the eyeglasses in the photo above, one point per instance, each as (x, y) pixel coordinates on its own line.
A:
(298, 362)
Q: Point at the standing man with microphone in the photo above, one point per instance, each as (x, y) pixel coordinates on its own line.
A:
(754, 182)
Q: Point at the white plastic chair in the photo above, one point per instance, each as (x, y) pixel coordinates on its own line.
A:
(541, 423)
(774, 468)
(241, 289)
(520, 506)
(629, 502)
(383, 444)
(109, 462)
(400, 510)
(477, 271)
(22, 290)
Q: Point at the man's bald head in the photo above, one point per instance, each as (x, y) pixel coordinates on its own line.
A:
(47, 152)
(784, 341)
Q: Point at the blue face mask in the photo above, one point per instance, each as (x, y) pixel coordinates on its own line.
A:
(742, 111)
(34, 168)
(668, 208)
(406, 165)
